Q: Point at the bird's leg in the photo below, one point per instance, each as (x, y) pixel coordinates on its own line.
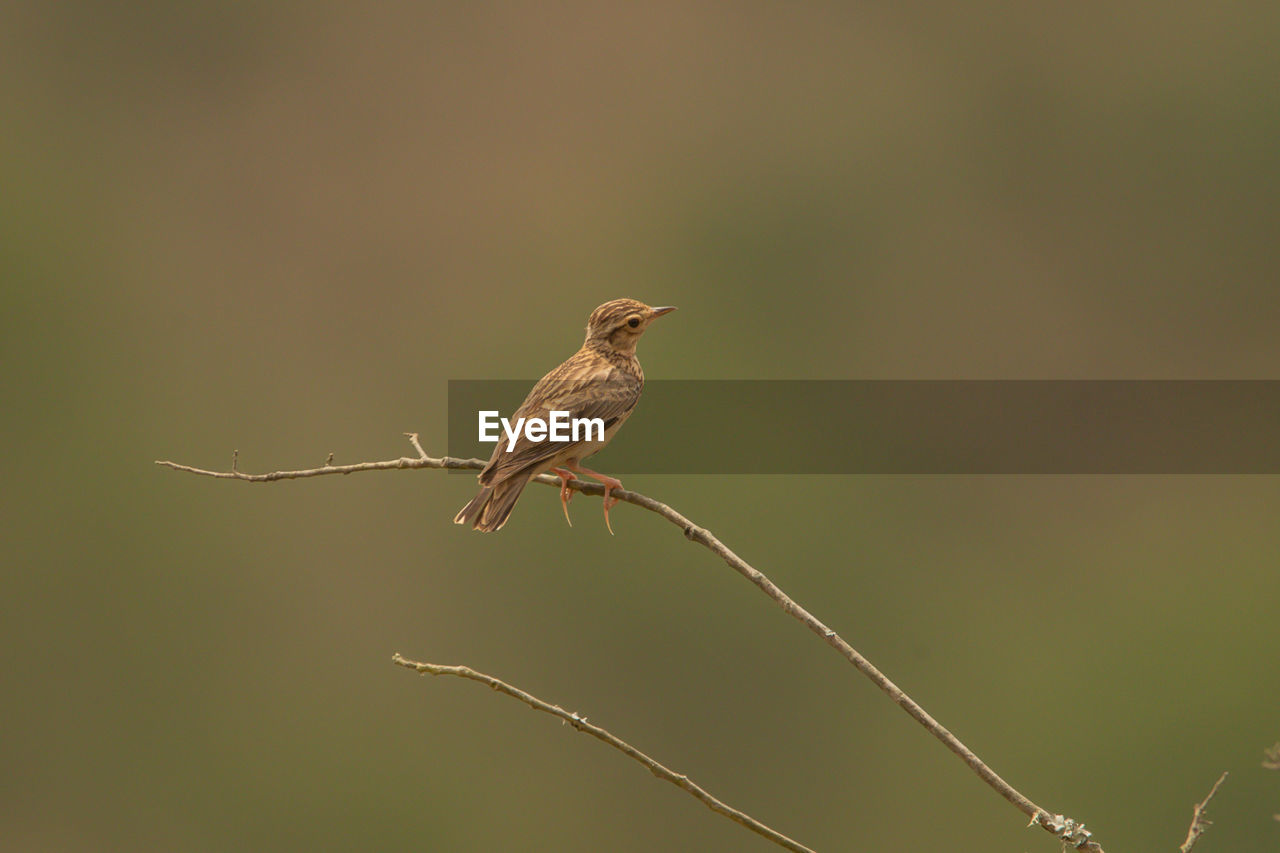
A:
(566, 493)
(610, 483)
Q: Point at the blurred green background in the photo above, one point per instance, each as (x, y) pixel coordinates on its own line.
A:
(283, 227)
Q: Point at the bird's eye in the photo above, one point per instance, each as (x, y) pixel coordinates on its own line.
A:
(633, 322)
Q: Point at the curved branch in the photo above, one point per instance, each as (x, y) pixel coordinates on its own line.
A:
(1070, 831)
(580, 723)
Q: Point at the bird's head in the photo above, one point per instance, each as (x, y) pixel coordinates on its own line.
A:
(620, 323)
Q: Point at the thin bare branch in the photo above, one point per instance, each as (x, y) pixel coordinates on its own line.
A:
(1070, 831)
(580, 723)
(1199, 823)
(423, 461)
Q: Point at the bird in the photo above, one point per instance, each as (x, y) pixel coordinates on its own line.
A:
(601, 380)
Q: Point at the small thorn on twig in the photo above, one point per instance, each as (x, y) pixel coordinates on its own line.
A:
(413, 439)
(235, 461)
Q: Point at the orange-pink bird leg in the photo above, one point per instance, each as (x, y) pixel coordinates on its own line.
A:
(610, 483)
(566, 493)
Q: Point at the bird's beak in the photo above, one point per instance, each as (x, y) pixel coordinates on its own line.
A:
(658, 312)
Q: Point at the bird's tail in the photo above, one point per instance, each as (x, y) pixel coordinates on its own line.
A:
(489, 510)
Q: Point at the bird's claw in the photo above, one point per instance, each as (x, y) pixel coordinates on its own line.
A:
(566, 493)
(610, 483)
(609, 500)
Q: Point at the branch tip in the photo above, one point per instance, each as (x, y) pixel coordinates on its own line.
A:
(1199, 823)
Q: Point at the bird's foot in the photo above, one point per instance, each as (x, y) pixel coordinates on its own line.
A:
(610, 483)
(566, 493)
(610, 500)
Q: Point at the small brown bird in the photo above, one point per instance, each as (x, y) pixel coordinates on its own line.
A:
(602, 380)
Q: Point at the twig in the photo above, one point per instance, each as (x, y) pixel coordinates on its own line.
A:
(1199, 823)
(1271, 761)
(1070, 831)
(1271, 757)
(580, 723)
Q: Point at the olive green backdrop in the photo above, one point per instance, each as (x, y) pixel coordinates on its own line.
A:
(282, 228)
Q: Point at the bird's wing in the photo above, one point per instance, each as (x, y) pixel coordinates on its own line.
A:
(583, 387)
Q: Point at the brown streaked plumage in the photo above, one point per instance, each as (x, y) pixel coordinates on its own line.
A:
(602, 380)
